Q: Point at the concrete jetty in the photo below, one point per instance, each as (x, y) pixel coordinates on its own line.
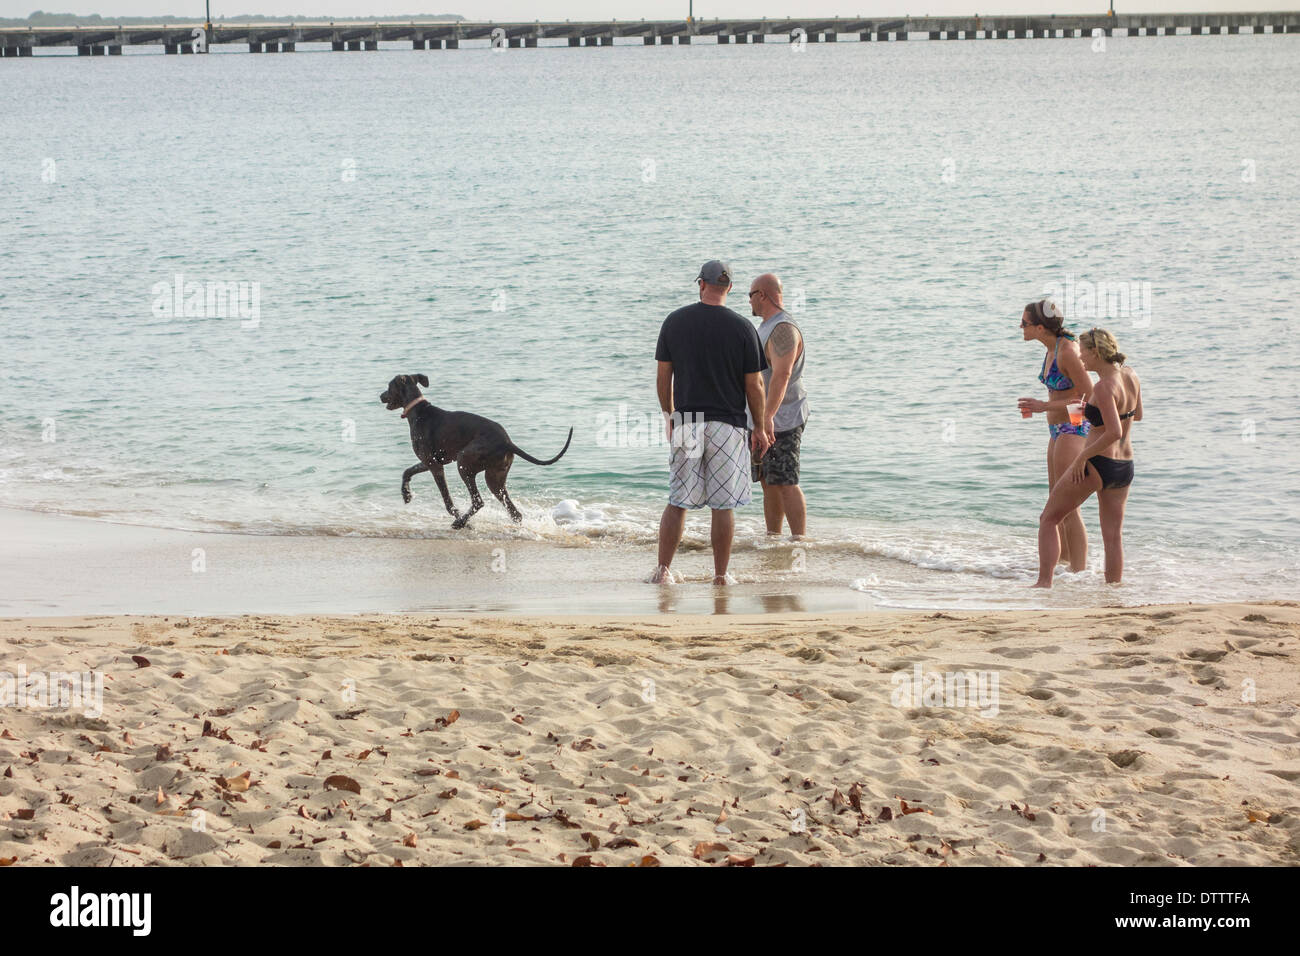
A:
(264, 37)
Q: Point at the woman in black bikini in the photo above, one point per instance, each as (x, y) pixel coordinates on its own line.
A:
(1104, 464)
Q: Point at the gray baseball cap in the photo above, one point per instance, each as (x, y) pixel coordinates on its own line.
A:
(715, 272)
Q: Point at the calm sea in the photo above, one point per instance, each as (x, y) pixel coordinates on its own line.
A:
(515, 225)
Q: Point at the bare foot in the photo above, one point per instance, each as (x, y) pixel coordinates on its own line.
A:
(661, 575)
(1040, 584)
(721, 580)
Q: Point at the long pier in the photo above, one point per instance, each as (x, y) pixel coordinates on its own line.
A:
(263, 37)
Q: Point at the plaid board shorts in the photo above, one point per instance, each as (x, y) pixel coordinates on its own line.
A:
(780, 466)
(708, 466)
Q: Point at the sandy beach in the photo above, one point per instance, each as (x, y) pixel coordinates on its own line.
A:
(1136, 736)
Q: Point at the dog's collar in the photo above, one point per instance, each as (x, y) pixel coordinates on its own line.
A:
(407, 410)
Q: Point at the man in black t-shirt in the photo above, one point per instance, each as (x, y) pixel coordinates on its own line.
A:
(710, 366)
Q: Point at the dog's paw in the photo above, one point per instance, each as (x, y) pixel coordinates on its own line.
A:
(406, 494)
(459, 523)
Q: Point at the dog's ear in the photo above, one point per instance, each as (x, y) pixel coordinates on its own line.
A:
(423, 380)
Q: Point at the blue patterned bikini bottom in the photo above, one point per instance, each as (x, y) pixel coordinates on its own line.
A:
(1065, 428)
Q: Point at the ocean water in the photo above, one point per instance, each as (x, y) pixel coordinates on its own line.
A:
(515, 225)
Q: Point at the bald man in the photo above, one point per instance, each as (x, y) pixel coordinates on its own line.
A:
(785, 411)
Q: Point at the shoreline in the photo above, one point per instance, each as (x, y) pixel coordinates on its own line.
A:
(476, 739)
(58, 565)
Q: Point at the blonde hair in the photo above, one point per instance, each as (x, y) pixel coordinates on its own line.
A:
(1104, 344)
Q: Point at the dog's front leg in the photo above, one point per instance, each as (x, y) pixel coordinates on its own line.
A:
(406, 480)
(442, 486)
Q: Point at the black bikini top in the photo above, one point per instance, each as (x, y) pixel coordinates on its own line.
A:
(1093, 414)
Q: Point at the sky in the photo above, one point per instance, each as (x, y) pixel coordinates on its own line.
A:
(525, 10)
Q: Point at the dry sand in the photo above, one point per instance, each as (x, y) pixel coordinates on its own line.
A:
(1121, 737)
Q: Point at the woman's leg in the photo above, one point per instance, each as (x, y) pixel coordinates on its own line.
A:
(1074, 537)
(1066, 496)
(1063, 545)
(1110, 509)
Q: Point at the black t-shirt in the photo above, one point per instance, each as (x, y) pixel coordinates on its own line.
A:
(712, 350)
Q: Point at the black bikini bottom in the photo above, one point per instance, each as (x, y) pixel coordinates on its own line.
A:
(1114, 472)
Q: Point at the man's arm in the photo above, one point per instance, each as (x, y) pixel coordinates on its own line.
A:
(665, 387)
(754, 395)
(782, 350)
(664, 384)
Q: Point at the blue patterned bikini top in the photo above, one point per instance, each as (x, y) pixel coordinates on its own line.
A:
(1055, 379)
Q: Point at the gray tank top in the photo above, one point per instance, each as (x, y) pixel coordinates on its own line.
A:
(794, 407)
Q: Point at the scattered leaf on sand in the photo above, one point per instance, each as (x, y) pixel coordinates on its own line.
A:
(855, 797)
(210, 731)
(339, 782)
(474, 824)
(25, 814)
(736, 860)
(238, 784)
(617, 843)
(704, 849)
(140, 661)
(1258, 816)
(447, 794)
(1024, 812)
(886, 814)
(8, 860)
(7, 734)
(650, 861)
(907, 809)
(838, 802)
(448, 720)
(584, 744)
(410, 840)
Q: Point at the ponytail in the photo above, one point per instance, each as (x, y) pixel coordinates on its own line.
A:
(1046, 314)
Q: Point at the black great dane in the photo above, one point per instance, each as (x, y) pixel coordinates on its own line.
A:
(474, 443)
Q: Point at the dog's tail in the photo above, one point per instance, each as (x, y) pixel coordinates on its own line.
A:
(537, 461)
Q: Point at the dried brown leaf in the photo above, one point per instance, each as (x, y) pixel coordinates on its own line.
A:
(338, 781)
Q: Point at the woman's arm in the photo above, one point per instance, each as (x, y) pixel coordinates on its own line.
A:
(1098, 437)
(1038, 405)
(1070, 362)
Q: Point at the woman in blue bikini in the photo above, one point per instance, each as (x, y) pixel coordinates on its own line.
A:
(1104, 464)
(1067, 381)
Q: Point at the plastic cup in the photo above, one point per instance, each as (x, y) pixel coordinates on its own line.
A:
(1076, 413)
(1026, 413)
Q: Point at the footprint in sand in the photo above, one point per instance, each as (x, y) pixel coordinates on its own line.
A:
(1204, 674)
(1125, 758)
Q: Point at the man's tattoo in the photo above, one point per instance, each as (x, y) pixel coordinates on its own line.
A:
(783, 340)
